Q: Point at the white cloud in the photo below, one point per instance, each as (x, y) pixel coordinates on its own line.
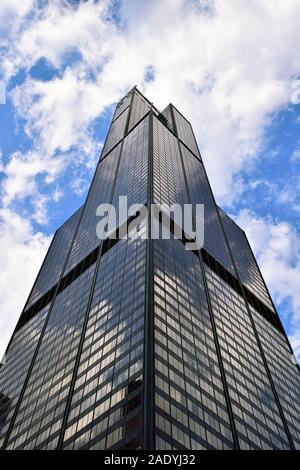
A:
(249, 72)
(12, 15)
(226, 76)
(58, 112)
(19, 181)
(57, 195)
(277, 248)
(20, 175)
(53, 29)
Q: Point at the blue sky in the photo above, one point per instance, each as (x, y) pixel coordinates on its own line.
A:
(232, 71)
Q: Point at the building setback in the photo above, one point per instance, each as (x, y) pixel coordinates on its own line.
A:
(127, 344)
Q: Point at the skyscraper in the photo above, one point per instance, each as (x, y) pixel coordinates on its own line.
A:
(141, 343)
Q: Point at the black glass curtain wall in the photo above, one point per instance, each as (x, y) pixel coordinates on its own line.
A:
(111, 326)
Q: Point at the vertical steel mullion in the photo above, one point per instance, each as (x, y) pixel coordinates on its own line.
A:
(148, 405)
(174, 125)
(129, 112)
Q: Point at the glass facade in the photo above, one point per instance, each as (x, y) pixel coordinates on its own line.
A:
(55, 259)
(39, 418)
(185, 131)
(285, 374)
(131, 180)
(190, 406)
(16, 366)
(245, 262)
(116, 132)
(101, 192)
(140, 108)
(168, 178)
(107, 399)
(122, 105)
(257, 418)
(168, 118)
(137, 343)
(200, 193)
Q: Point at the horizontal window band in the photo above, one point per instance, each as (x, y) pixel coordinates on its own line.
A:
(233, 282)
(257, 304)
(108, 243)
(161, 119)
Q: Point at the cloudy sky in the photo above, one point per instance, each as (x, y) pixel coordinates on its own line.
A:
(230, 66)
